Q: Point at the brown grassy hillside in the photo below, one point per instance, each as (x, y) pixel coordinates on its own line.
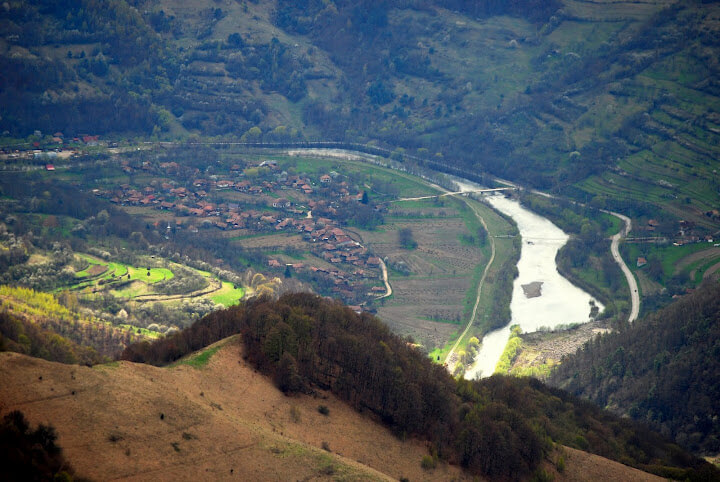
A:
(220, 420)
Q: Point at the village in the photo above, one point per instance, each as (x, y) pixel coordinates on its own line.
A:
(256, 199)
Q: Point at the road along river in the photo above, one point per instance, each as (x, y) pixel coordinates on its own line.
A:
(541, 296)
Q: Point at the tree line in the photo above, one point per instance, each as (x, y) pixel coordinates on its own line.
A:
(28, 453)
(663, 370)
(499, 427)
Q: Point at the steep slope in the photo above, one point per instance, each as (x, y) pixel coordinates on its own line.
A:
(663, 370)
(616, 101)
(222, 420)
(497, 427)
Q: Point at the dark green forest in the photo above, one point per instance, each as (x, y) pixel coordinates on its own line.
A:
(498, 427)
(533, 91)
(30, 454)
(663, 370)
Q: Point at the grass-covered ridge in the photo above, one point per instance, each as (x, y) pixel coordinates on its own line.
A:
(495, 427)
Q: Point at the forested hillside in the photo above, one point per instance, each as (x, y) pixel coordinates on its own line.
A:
(611, 102)
(663, 370)
(498, 427)
(37, 324)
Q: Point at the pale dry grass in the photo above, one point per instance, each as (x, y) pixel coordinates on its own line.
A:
(223, 421)
(219, 422)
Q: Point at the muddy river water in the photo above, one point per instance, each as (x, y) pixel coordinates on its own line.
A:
(541, 296)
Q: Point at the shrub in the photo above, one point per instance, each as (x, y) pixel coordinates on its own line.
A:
(428, 462)
(541, 475)
(324, 410)
(295, 414)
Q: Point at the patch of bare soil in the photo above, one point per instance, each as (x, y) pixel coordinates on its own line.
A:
(648, 287)
(96, 270)
(405, 321)
(585, 467)
(683, 263)
(273, 241)
(223, 421)
(712, 271)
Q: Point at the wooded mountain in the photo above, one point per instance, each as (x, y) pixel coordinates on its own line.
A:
(663, 370)
(611, 101)
(498, 427)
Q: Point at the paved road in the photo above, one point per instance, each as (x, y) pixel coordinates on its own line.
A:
(615, 251)
(632, 283)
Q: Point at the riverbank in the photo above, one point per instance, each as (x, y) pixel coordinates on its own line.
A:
(538, 352)
(558, 303)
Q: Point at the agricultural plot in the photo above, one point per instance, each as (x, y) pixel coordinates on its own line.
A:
(228, 295)
(672, 266)
(434, 284)
(673, 163)
(609, 11)
(271, 241)
(143, 284)
(99, 270)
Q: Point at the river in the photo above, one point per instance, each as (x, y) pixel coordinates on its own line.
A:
(548, 299)
(559, 301)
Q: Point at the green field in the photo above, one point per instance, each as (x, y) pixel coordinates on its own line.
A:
(199, 359)
(405, 185)
(115, 270)
(228, 295)
(138, 281)
(672, 260)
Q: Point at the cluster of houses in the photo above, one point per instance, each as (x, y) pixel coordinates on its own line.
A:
(683, 233)
(51, 147)
(353, 267)
(268, 204)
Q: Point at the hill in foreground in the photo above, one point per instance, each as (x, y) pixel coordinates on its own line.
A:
(222, 420)
(498, 427)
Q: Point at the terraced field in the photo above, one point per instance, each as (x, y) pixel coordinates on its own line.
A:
(140, 283)
(672, 130)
